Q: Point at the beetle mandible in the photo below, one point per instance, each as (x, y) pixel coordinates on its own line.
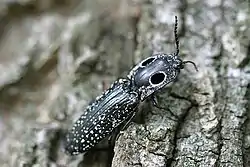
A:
(119, 103)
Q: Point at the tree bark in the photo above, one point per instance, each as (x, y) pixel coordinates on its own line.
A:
(56, 58)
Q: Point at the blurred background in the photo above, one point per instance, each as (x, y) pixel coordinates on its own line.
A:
(58, 55)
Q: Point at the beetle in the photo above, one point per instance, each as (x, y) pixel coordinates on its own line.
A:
(119, 103)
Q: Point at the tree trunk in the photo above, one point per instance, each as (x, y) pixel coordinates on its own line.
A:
(56, 58)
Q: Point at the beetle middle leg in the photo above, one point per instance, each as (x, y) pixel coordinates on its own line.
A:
(121, 128)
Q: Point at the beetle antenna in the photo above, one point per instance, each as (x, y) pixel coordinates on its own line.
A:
(176, 36)
(185, 62)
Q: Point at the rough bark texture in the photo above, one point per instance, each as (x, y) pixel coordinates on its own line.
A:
(57, 56)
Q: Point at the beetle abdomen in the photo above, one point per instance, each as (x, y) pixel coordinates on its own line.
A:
(101, 117)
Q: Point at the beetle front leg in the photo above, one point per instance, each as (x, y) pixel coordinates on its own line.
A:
(156, 104)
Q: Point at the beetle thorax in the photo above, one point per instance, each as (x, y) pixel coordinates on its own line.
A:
(155, 72)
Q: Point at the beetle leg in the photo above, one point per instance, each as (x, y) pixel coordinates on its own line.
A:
(116, 134)
(105, 85)
(156, 104)
(121, 128)
(111, 140)
(128, 122)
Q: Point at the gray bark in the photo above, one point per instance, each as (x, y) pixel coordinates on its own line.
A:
(55, 57)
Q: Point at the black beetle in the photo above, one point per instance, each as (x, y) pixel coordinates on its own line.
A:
(119, 103)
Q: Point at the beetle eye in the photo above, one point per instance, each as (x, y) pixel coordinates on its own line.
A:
(147, 61)
(157, 78)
